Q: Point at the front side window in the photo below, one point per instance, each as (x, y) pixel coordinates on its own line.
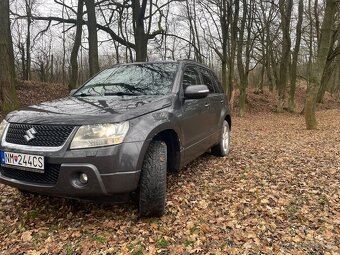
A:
(190, 77)
(135, 79)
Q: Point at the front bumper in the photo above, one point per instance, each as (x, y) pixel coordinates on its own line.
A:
(110, 170)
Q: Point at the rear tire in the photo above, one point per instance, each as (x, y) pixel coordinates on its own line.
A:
(222, 149)
(152, 184)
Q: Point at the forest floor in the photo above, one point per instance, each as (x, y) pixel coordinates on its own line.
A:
(276, 193)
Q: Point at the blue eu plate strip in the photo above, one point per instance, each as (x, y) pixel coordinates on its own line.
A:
(2, 154)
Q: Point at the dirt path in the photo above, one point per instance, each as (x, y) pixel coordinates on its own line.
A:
(277, 193)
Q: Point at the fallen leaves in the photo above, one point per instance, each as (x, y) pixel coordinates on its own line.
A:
(26, 236)
(30, 92)
(276, 193)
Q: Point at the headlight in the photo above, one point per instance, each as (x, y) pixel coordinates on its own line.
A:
(3, 126)
(90, 136)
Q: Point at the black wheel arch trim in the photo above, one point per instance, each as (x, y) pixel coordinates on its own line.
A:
(167, 126)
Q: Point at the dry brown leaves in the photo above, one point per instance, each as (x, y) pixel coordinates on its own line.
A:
(276, 193)
(267, 101)
(30, 92)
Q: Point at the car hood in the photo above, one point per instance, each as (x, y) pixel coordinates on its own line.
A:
(90, 110)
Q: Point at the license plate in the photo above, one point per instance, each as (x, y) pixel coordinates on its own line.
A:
(22, 161)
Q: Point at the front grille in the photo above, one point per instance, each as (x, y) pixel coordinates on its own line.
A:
(45, 136)
(49, 177)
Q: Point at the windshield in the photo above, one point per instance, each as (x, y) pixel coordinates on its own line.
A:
(134, 80)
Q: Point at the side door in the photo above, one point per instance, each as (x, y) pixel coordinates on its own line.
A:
(216, 98)
(195, 113)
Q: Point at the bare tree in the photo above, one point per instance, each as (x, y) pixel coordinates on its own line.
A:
(291, 104)
(28, 5)
(244, 48)
(286, 12)
(76, 45)
(194, 34)
(93, 36)
(8, 95)
(268, 37)
(316, 74)
(228, 35)
(221, 36)
(331, 63)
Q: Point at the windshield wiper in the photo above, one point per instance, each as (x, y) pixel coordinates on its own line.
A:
(122, 94)
(126, 86)
(130, 90)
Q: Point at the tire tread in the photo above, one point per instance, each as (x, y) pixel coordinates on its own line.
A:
(152, 189)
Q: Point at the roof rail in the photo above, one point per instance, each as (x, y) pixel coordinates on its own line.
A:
(191, 60)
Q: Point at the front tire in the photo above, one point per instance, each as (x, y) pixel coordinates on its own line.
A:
(222, 149)
(152, 184)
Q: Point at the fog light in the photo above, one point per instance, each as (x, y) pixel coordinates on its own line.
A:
(83, 178)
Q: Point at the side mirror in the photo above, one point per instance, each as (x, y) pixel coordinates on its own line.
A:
(73, 91)
(196, 92)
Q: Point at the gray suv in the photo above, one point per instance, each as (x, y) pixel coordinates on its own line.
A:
(118, 134)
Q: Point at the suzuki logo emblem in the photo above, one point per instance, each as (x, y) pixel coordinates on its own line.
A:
(30, 134)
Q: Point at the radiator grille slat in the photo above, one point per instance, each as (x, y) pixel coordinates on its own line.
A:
(46, 135)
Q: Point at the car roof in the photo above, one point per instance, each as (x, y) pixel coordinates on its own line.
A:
(165, 62)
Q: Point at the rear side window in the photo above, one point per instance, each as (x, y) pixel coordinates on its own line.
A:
(190, 77)
(217, 84)
(208, 80)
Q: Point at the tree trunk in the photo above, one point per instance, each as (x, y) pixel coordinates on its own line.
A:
(141, 39)
(240, 65)
(244, 43)
(316, 74)
(28, 74)
(326, 76)
(198, 52)
(286, 12)
(291, 104)
(64, 47)
(330, 64)
(224, 78)
(77, 43)
(260, 84)
(269, 67)
(141, 45)
(8, 95)
(317, 22)
(310, 41)
(93, 37)
(21, 48)
(267, 41)
(224, 29)
(10, 53)
(243, 98)
(232, 52)
(52, 69)
(116, 45)
(335, 90)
